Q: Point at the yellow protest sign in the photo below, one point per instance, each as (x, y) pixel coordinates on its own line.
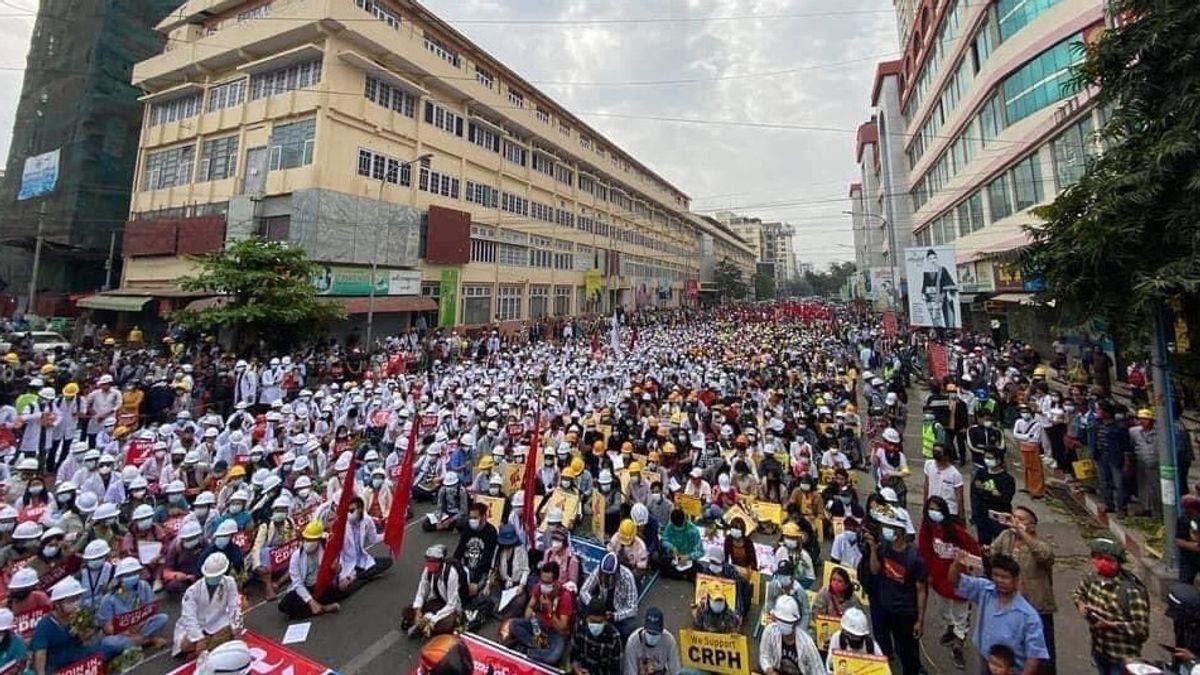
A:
(714, 652)
(853, 574)
(690, 505)
(756, 583)
(823, 628)
(736, 511)
(715, 587)
(495, 507)
(768, 512)
(818, 526)
(569, 503)
(839, 524)
(784, 459)
(514, 478)
(850, 663)
(1085, 469)
(623, 476)
(605, 433)
(597, 508)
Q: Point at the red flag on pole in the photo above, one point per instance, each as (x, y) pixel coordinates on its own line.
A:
(393, 534)
(333, 547)
(531, 464)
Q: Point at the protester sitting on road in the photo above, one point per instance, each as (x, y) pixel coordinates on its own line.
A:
(24, 596)
(13, 653)
(784, 582)
(597, 644)
(68, 634)
(96, 574)
(438, 604)
(1116, 605)
(651, 649)
(210, 612)
(681, 547)
(223, 543)
(450, 505)
(837, 597)
(853, 636)
(303, 568)
(544, 630)
(181, 562)
(509, 576)
(615, 586)
(629, 548)
(785, 647)
(121, 611)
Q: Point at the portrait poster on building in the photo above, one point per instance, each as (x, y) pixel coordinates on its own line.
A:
(933, 287)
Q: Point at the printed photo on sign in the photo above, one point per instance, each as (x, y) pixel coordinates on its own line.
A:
(851, 663)
(708, 586)
(933, 295)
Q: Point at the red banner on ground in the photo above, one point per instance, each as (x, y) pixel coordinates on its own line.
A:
(25, 622)
(269, 657)
(92, 665)
(493, 659)
(139, 451)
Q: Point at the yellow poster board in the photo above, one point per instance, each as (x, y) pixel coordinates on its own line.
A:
(709, 586)
(755, 579)
(859, 592)
(598, 505)
(569, 503)
(768, 512)
(690, 505)
(839, 524)
(495, 508)
(823, 628)
(514, 478)
(714, 652)
(818, 526)
(605, 434)
(623, 477)
(850, 663)
(736, 511)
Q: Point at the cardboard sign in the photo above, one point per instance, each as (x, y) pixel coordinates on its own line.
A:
(839, 524)
(690, 505)
(514, 479)
(134, 618)
(270, 658)
(301, 518)
(755, 579)
(25, 622)
(569, 504)
(714, 652)
(1085, 469)
(241, 541)
(768, 512)
(818, 525)
(381, 418)
(859, 592)
(823, 628)
(492, 658)
(139, 451)
(280, 557)
(737, 511)
(428, 422)
(32, 514)
(92, 665)
(605, 431)
(599, 503)
(850, 663)
(495, 509)
(172, 525)
(708, 586)
(515, 430)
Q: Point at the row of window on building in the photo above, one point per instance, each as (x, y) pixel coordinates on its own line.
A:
(476, 301)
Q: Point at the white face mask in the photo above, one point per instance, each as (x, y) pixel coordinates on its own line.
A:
(651, 639)
(546, 588)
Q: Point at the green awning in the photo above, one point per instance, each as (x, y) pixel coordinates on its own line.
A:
(114, 303)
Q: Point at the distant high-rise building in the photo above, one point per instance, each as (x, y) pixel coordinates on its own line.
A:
(79, 114)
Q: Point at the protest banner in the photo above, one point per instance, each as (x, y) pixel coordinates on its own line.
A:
(514, 478)
(755, 579)
(515, 430)
(25, 622)
(491, 658)
(495, 509)
(135, 617)
(242, 541)
(708, 586)
(139, 451)
(823, 628)
(428, 422)
(768, 512)
(839, 524)
(851, 663)
(714, 652)
(281, 556)
(688, 504)
(599, 503)
(738, 511)
(569, 503)
(92, 665)
(270, 658)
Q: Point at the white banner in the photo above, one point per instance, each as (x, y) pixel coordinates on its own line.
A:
(932, 287)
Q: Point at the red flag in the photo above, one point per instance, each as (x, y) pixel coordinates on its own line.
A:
(632, 337)
(333, 547)
(393, 534)
(531, 463)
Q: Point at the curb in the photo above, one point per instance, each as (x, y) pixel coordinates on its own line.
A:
(1153, 571)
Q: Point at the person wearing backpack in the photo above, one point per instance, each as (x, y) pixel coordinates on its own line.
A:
(1116, 605)
(439, 601)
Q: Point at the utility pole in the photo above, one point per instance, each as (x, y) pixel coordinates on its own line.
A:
(1168, 453)
(108, 263)
(37, 256)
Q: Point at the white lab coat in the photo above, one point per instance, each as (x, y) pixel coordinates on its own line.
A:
(245, 387)
(203, 613)
(354, 555)
(270, 381)
(101, 405)
(33, 440)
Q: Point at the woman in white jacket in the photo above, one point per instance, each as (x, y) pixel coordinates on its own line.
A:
(210, 612)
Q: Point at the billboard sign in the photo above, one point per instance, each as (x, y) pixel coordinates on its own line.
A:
(40, 175)
(933, 287)
(448, 297)
(348, 281)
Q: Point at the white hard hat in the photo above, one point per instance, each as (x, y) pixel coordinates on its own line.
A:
(854, 622)
(53, 532)
(227, 528)
(786, 609)
(450, 479)
(555, 515)
(240, 496)
(215, 565)
(128, 565)
(606, 477)
(27, 530)
(229, 658)
(27, 464)
(23, 578)
(105, 511)
(640, 514)
(891, 435)
(6, 618)
(889, 495)
(282, 502)
(86, 503)
(65, 590)
(189, 529)
(205, 498)
(66, 486)
(175, 487)
(96, 549)
(143, 511)
(303, 482)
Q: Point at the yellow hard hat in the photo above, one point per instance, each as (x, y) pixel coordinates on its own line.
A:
(11, 358)
(627, 447)
(487, 462)
(315, 529)
(791, 530)
(627, 532)
(598, 448)
(654, 456)
(576, 466)
(48, 368)
(108, 342)
(1145, 414)
(635, 467)
(1040, 371)
(71, 390)
(120, 432)
(570, 472)
(237, 471)
(668, 448)
(676, 419)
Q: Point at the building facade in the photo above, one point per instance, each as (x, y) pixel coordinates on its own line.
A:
(78, 109)
(374, 135)
(988, 130)
(772, 244)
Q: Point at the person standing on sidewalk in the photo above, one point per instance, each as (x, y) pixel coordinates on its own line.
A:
(1116, 605)
(981, 436)
(900, 587)
(992, 490)
(1144, 438)
(1035, 555)
(1005, 616)
(1114, 455)
(1027, 430)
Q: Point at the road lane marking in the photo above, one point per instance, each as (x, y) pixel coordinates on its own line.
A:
(372, 652)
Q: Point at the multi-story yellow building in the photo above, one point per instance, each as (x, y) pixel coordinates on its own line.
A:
(377, 137)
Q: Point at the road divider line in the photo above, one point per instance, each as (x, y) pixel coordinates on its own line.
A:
(372, 652)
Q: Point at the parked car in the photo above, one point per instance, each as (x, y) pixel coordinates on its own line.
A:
(43, 341)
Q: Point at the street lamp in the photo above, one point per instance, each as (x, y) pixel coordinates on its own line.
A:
(375, 255)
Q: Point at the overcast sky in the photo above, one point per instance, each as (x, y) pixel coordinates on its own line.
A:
(804, 64)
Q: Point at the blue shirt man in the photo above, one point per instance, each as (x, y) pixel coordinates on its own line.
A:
(1005, 616)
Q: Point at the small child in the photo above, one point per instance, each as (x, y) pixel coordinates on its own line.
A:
(1000, 660)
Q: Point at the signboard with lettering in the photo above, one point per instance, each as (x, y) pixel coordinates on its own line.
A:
(852, 663)
(709, 586)
(688, 504)
(270, 658)
(714, 652)
(134, 618)
(281, 555)
(25, 622)
(139, 451)
(493, 659)
(495, 508)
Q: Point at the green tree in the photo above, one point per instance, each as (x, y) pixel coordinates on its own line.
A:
(269, 295)
(730, 283)
(764, 286)
(829, 283)
(1123, 240)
